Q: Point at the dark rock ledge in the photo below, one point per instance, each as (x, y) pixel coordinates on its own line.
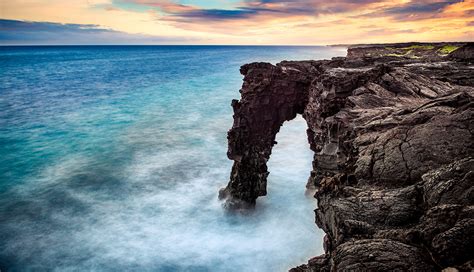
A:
(394, 157)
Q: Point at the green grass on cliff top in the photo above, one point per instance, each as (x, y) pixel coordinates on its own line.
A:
(447, 49)
(411, 48)
(422, 47)
(406, 51)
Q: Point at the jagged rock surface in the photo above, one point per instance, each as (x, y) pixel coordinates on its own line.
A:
(393, 165)
(465, 53)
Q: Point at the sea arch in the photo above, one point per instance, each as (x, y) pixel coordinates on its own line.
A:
(271, 95)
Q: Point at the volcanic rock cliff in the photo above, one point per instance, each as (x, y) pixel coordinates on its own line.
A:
(393, 167)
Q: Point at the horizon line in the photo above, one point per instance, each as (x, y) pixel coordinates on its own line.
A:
(255, 45)
(118, 44)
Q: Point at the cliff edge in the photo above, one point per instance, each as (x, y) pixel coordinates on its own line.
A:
(391, 128)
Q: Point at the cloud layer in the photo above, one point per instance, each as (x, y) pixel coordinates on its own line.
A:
(238, 21)
(26, 32)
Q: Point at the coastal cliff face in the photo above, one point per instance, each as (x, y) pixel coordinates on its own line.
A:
(393, 143)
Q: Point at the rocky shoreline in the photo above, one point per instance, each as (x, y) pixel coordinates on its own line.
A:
(391, 128)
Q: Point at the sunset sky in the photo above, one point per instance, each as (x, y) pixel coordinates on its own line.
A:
(272, 22)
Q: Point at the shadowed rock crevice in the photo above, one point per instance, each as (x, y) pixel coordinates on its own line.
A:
(394, 154)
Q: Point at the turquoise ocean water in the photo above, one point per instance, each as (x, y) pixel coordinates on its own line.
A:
(111, 159)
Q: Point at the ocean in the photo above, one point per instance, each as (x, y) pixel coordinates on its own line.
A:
(111, 158)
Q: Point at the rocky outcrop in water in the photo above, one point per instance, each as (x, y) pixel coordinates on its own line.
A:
(271, 95)
(394, 154)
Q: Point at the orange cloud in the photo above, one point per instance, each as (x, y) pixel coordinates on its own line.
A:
(264, 21)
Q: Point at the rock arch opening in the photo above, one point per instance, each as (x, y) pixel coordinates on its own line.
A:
(290, 164)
